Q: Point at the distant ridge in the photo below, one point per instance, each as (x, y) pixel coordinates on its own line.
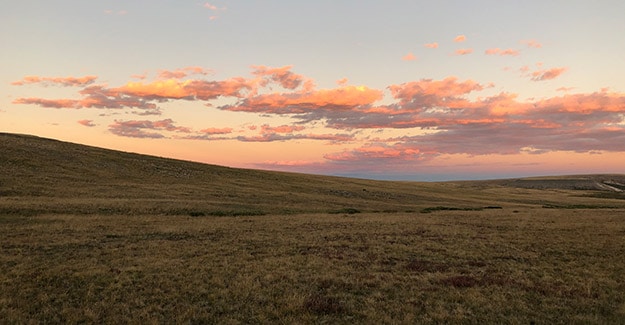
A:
(40, 175)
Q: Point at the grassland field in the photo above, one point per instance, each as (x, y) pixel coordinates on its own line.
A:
(89, 235)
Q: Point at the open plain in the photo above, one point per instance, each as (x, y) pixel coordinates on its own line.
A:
(100, 236)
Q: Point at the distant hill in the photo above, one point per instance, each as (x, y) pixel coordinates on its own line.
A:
(39, 175)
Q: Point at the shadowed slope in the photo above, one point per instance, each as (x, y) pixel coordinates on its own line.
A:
(40, 175)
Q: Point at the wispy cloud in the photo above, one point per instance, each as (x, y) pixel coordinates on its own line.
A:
(498, 51)
(56, 81)
(431, 45)
(532, 43)
(547, 74)
(460, 38)
(137, 129)
(463, 51)
(212, 131)
(182, 73)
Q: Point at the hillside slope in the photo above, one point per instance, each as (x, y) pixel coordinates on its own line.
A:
(39, 175)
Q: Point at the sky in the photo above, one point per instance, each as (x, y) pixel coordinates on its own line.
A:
(393, 90)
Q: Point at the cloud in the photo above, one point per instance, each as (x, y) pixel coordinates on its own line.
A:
(188, 89)
(460, 38)
(212, 131)
(342, 82)
(428, 92)
(182, 73)
(431, 45)
(265, 128)
(565, 89)
(283, 76)
(547, 74)
(531, 43)
(270, 137)
(56, 81)
(342, 98)
(463, 51)
(288, 132)
(436, 116)
(409, 57)
(88, 123)
(498, 51)
(137, 129)
(210, 6)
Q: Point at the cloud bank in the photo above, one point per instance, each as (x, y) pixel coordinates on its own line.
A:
(402, 124)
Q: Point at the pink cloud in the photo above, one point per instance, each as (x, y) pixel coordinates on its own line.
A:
(88, 123)
(342, 82)
(460, 38)
(447, 115)
(210, 6)
(428, 92)
(498, 51)
(212, 131)
(182, 73)
(409, 57)
(463, 51)
(265, 128)
(341, 98)
(565, 89)
(547, 74)
(283, 76)
(431, 45)
(58, 81)
(531, 43)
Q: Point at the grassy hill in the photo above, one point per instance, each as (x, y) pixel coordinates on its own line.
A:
(42, 175)
(89, 235)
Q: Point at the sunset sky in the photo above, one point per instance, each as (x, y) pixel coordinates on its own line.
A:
(398, 90)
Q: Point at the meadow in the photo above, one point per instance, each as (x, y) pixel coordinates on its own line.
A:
(89, 235)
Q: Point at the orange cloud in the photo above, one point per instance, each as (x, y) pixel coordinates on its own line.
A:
(498, 51)
(345, 97)
(409, 57)
(460, 38)
(283, 76)
(342, 82)
(188, 89)
(431, 45)
(463, 51)
(547, 74)
(428, 92)
(60, 81)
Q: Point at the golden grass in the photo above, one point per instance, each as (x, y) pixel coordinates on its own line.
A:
(496, 266)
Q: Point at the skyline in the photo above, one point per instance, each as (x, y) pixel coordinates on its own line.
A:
(409, 91)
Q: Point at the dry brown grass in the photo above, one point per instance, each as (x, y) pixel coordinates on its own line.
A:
(89, 235)
(495, 266)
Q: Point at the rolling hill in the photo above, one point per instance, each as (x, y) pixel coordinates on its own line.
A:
(39, 175)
